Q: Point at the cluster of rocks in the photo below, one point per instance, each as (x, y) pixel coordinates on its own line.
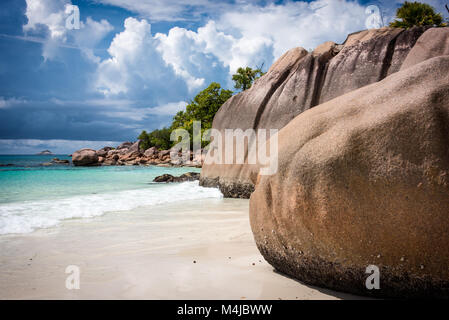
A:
(189, 176)
(55, 161)
(129, 153)
(59, 161)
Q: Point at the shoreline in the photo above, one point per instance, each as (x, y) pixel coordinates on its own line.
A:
(196, 249)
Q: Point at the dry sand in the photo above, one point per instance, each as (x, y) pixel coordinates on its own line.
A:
(200, 249)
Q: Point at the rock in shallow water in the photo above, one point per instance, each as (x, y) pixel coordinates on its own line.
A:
(189, 176)
(85, 157)
(364, 180)
(59, 161)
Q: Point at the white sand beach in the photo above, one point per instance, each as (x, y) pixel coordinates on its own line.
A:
(197, 249)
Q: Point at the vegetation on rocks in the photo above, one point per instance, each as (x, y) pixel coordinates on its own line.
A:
(245, 77)
(159, 138)
(417, 14)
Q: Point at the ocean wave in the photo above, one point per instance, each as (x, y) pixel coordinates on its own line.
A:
(27, 216)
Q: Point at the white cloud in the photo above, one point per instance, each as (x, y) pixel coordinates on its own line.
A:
(141, 113)
(194, 54)
(249, 35)
(184, 51)
(169, 109)
(136, 67)
(51, 14)
(292, 24)
(9, 102)
(131, 54)
(170, 10)
(245, 35)
(92, 32)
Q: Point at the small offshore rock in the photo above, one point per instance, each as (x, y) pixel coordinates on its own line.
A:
(189, 176)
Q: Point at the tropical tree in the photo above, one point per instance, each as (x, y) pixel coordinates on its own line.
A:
(245, 77)
(202, 108)
(417, 14)
(144, 140)
(159, 138)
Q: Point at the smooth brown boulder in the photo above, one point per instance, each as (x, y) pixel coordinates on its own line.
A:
(85, 157)
(434, 42)
(364, 180)
(298, 81)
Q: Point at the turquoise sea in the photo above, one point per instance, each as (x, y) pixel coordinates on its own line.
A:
(36, 196)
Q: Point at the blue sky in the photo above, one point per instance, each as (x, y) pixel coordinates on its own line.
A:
(134, 63)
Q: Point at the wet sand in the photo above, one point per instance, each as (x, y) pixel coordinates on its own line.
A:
(201, 249)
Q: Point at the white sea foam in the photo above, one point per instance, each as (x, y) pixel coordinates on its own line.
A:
(25, 217)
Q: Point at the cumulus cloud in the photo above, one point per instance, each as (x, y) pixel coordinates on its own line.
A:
(249, 35)
(92, 32)
(49, 13)
(136, 68)
(185, 61)
(47, 20)
(194, 54)
(292, 24)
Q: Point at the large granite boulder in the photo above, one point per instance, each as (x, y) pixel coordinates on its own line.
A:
(364, 180)
(85, 157)
(434, 42)
(298, 81)
(367, 57)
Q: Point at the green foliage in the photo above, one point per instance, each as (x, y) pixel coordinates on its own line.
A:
(159, 138)
(417, 14)
(202, 108)
(144, 140)
(245, 77)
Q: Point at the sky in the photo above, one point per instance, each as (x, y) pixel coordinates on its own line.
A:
(132, 64)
